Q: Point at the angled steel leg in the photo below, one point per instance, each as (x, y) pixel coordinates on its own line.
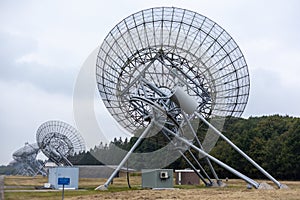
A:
(188, 161)
(200, 145)
(200, 166)
(139, 140)
(194, 168)
(237, 173)
(279, 185)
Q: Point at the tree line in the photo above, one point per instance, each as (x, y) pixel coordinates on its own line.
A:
(272, 141)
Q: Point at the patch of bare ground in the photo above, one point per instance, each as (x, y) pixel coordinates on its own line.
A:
(210, 193)
(236, 189)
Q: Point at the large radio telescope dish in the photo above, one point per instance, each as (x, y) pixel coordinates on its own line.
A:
(168, 47)
(163, 68)
(58, 140)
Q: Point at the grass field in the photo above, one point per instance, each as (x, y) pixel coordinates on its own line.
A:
(18, 187)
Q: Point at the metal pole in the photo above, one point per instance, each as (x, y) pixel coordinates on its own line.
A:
(127, 173)
(237, 173)
(139, 140)
(188, 161)
(63, 192)
(200, 166)
(239, 150)
(194, 168)
(200, 145)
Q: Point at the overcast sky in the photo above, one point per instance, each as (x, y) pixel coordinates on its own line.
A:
(44, 43)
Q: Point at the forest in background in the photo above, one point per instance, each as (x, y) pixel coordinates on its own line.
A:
(272, 141)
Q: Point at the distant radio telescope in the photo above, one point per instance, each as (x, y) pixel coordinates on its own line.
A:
(58, 140)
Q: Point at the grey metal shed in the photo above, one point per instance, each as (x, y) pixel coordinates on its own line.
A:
(157, 178)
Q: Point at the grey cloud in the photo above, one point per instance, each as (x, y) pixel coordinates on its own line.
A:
(50, 79)
(268, 95)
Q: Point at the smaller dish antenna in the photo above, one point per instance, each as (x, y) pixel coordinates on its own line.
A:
(29, 150)
(59, 140)
(26, 162)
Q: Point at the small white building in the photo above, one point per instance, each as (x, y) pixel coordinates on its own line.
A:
(64, 172)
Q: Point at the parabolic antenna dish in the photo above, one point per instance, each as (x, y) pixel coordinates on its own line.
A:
(58, 140)
(26, 162)
(26, 151)
(153, 51)
(160, 69)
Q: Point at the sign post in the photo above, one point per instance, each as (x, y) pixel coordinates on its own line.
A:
(63, 181)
